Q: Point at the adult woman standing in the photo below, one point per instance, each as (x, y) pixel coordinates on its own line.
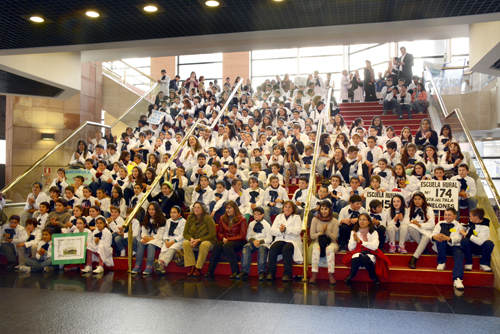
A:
(357, 87)
(192, 82)
(199, 232)
(286, 229)
(324, 231)
(286, 83)
(231, 234)
(369, 82)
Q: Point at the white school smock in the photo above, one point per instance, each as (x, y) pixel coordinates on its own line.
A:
(292, 234)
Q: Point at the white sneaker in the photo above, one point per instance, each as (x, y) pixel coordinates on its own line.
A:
(87, 269)
(457, 283)
(25, 269)
(441, 266)
(17, 267)
(98, 270)
(468, 267)
(122, 253)
(484, 267)
(47, 269)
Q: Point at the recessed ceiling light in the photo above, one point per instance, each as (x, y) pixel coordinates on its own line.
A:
(91, 13)
(150, 8)
(278, 0)
(36, 19)
(212, 3)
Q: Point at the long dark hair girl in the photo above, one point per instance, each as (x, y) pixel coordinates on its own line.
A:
(413, 208)
(157, 220)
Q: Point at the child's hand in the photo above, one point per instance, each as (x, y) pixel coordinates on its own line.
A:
(41, 251)
(21, 244)
(96, 240)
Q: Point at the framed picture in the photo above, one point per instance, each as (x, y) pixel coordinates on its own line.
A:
(69, 248)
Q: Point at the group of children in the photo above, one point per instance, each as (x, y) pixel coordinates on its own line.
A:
(256, 151)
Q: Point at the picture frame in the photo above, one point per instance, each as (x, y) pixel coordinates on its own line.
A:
(69, 248)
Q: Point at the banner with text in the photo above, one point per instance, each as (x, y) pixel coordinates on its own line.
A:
(384, 197)
(72, 173)
(441, 195)
(156, 117)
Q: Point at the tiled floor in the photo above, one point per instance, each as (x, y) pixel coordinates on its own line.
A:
(388, 296)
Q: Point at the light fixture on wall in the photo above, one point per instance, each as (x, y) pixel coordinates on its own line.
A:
(48, 136)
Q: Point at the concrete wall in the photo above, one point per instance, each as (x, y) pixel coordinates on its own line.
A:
(40, 67)
(483, 37)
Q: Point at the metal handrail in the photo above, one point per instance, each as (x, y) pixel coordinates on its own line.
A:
(136, 69)
(480, 160)
(312, 182)
(472, 143)
(46, 155)
(174, 156)
(134, 104)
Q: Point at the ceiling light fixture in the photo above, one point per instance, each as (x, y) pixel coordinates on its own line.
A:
(92, 14)
(150, 8)
(212, 3)
(36, 19)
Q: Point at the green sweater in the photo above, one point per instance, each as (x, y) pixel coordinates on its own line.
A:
(205, 231)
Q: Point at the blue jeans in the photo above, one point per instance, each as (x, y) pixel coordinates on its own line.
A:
(458, 256)
(246, 257)
(120, 242)
(269, 211)
(222, 209)
(38, 265)
(402, 107)
(339, 205)
(140, 254)
(392, 104)
(485, 250)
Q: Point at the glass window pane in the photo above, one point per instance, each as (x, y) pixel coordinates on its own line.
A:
(321, 51)
(201, 58)
(278, 53)
(209, 71)
(460, 46)
(358, 47)
(424, 48)
(321, 64)
(138, 62)
(274, 66)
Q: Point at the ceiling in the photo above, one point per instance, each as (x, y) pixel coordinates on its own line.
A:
(124, 20)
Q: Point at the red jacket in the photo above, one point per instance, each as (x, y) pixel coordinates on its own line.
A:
(237, 232)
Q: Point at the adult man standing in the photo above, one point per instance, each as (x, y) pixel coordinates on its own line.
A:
(174, 83)
(405, 65)
(164, 82)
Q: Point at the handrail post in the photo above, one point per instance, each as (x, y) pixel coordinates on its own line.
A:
(130, 247)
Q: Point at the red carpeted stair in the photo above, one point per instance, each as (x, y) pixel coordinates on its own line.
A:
(368, 110)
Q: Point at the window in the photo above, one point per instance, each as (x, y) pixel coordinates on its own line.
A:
(207, 65)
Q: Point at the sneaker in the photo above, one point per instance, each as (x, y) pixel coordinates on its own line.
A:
(148, 271)
(457, 283)
(98, 270)
(48, 269)
(17, 267)
(441, 266)
(484, 267)
(468, 267)
(136, 270)
(159, 267)
(402, 249)
(25, 269)
(122, 253)
(392, 249)
(87, 269)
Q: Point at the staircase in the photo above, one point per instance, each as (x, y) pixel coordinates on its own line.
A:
(425, 273)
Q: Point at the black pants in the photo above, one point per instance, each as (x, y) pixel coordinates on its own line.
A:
(381, 236)
(344, 234)
(363, 261)
(370, 92)
(285, 249)
(230, 248)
